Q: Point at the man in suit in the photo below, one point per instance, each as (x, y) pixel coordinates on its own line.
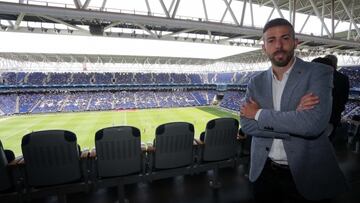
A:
(340, 95)
(287, 110)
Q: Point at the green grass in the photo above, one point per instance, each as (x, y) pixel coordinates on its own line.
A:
(85, 124)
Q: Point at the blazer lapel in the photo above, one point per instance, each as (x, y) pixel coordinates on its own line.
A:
(268, 90)
(294, 78)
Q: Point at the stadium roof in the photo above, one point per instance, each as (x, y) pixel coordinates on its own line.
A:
(322, 27)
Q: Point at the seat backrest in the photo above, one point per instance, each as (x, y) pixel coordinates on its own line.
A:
(174, 145)
(220, 139)
(51, 157)
(5, 182)
(118, 151)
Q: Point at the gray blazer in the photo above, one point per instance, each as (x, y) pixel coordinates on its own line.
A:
(311, 157)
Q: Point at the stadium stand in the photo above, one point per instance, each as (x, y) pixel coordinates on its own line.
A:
(161, 78)
(7, 104)
(58, 78)
(134, 90)
(233, 100)
(81, 78)
(103, 78)
(143, 78)
(124, 78)
(354, 75)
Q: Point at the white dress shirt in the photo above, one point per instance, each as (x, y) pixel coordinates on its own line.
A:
(277, 152)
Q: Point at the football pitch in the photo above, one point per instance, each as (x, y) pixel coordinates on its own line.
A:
(86, 124)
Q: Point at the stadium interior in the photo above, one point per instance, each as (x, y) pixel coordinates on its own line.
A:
(50, 165)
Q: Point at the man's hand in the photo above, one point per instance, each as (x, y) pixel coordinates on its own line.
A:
(308, 101)
(249, 109)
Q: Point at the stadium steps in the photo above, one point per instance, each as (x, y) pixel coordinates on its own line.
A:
(135, 100)
(26, 78)
(37, 104)
(192, 94)
(113, 101)
(1, 112)
(89, 103)
(17, 104)
(207, 98)
(188, 80)
(205, 78)
(352, 111)
(71, 79)
(64, 103)
(233, 79)
(156, 99)
(48, 78)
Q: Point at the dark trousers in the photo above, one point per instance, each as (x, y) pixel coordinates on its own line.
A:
(276, 184)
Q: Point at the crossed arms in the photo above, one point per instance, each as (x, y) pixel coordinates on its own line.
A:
(308, 119)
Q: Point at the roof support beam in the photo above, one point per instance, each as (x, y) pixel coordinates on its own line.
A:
(171, 5)
(64, 23)
(148, 31)
(113, 24)
(205, 10)
(175, 9)
(179, 32)
(86, 4)
(303, 26)
(233, 38)
(271, 13)
(350, 24)
(60, 15)
(332, 10)
(251, 13)
(148, 7)
(320, 18)
(350, 16)
(77, 4)
(226, 10)
(243, 13)
(164, 9)
(103, 5)
(231, 12)
(294, 13)
(18, 21)
(277, 8)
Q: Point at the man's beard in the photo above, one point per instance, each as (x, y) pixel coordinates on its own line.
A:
(281, 63)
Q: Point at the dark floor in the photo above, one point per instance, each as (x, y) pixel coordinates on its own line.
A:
(195, 188)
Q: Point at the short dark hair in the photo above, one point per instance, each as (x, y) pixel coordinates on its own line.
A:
(324, 60)
(333, 60)
(278, 22)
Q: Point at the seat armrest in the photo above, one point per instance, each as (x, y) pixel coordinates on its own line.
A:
(150, 147)
(92, 153)
(17, 161)
(198, 141)
(85, 154)
(143, 147)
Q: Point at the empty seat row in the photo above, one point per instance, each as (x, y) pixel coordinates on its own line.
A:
(52, 162)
